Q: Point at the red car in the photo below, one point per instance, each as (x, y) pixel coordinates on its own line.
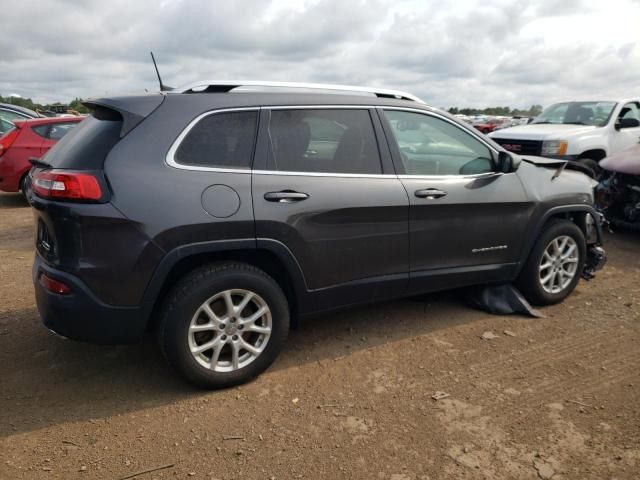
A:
(29, 139)
(488, 126)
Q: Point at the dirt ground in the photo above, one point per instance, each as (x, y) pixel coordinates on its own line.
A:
(350, 397)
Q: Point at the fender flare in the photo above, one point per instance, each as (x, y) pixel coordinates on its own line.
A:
(160, 274)
(537, 229)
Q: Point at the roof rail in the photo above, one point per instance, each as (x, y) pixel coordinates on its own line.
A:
(213, 86)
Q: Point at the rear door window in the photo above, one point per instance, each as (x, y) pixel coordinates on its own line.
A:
(323, 141)
(220, 140)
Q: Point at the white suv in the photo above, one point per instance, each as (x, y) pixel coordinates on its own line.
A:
(581, 131)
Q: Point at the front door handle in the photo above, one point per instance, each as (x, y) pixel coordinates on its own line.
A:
(430, 193)
(286, 196)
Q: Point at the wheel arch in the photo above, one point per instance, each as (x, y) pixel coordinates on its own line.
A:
(595, 154)
(271, 256)
(574, 213)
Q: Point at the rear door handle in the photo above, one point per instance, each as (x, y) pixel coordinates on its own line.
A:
(430, 193)
(286, 196)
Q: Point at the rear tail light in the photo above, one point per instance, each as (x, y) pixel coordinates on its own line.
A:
(7, 139)
(57, 184)
(54, 286)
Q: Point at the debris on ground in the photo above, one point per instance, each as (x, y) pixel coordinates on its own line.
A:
(488, 336)
(440, 395)
(545, 471)
(500, 300)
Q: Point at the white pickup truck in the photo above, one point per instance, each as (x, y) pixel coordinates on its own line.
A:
(581, 131)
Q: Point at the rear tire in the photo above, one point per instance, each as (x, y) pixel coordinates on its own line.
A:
(214, 306)
(23, 188)
(555, 263)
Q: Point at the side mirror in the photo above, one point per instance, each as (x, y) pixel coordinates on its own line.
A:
(506, 163)
(627, 123)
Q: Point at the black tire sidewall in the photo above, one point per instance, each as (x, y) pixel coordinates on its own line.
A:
(529, 280)
(175, 325)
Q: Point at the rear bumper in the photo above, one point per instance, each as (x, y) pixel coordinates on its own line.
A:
(80, 315)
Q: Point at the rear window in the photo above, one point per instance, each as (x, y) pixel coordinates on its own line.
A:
(222, 140)
(86, 145)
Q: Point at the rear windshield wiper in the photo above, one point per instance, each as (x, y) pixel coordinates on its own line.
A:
(36, 162)
(538, 123)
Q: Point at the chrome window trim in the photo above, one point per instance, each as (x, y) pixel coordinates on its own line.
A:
(324, 174)
(170, 157)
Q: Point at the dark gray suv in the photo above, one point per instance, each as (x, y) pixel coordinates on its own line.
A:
(216, 213)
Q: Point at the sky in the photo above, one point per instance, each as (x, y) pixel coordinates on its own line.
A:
(463, 53)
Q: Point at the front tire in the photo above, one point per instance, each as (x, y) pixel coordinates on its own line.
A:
(223, 324)
(555, 264)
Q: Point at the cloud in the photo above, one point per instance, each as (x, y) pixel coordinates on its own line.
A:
(467, 53)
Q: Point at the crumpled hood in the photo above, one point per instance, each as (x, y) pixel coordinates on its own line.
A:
(558, 164)
(542, 132)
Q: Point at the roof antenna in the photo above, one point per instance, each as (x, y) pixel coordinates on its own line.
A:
(163, 87)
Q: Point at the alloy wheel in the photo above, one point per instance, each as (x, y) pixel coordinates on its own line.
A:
(230, 330)
(559, 264)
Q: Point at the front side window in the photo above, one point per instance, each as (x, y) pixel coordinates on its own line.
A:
(431, 146)
(222, 140)
(630, 110)
(323, 141)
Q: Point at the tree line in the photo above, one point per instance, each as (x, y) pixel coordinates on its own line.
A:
(533, 111)
(75, 104)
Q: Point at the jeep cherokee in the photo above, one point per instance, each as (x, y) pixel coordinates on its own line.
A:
(216, 213)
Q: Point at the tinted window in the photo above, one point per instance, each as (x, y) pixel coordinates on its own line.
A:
(431, 146)
(220, 140)
(326, 141)
(41, 130)
(87, 145)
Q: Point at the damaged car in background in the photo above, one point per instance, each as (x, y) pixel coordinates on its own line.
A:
(261, 203)
(618, 193)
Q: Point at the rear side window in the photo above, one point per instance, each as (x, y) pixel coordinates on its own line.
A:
(222, 140)
(323, 141)
(59, 130)
(41, 130)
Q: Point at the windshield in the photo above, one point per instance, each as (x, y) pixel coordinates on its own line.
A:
(577, 113)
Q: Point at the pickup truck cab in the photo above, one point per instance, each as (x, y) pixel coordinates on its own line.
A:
(585, 132)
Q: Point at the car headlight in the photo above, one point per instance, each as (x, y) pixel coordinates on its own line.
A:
(554, 147)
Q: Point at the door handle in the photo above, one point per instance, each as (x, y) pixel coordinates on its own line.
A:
(286, 196)
(430, 193)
